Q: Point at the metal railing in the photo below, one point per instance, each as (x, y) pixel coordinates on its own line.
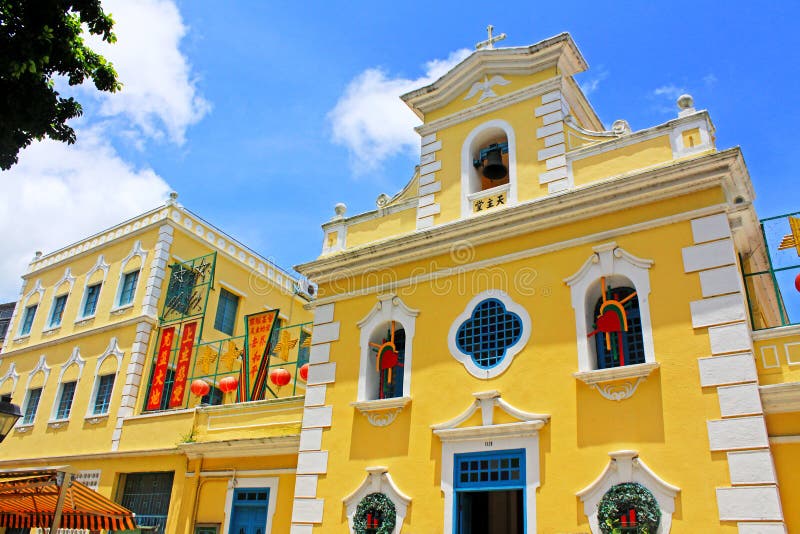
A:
(773, 296)
(213, 361)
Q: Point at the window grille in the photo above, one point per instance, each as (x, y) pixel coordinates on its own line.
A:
(65, 400)
(129, 282)
(102, 399)
(226, 311)
(494, 469)
(58, 310)
(90, 304)
(34, 396)
(487, 334)
(27, 320)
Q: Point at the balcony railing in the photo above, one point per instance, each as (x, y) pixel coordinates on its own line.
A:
(214, 361)
(772, 280)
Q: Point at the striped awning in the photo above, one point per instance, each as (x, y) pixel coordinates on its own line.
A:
(28, 499)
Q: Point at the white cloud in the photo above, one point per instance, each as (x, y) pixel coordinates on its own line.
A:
(159, 96)
(60, 193)
(590, 86)
(371, 120)
(709, 80)
(671, 91)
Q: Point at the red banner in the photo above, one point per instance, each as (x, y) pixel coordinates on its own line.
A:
(160, 373)
(259, 331)
(182, 367)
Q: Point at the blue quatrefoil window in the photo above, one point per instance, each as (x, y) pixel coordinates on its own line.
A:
(489, 331)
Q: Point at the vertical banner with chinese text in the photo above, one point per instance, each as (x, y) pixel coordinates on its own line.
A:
(160, 372)
(259, 331)
(182, 367)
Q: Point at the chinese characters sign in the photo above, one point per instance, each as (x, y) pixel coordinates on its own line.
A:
(485, 203)
(259, 332)
(160, 373)
(187, 291)
(182, 368)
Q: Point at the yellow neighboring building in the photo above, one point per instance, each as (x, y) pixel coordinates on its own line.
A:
(553, 328)
(120, 351)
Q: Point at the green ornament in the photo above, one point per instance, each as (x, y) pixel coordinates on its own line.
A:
(376, 504)
(621, 498)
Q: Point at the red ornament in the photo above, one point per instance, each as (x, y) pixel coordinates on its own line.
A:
(280, 377)
(228, 384)
(303, 372)
(200, 387)
(797, 282)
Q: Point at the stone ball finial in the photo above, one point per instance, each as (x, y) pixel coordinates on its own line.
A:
(340, 209)
(685, 102)
(37, 255)
(383, 200)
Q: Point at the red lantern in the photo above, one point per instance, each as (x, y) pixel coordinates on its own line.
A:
(303, 372)
(280, 377)
(228, 384)
(797, 282)
(200, 387)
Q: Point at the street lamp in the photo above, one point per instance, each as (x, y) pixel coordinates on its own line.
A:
(9, 414)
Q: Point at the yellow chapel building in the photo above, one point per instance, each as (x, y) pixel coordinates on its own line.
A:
(553, 328)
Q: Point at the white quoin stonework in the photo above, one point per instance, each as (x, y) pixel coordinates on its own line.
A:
(754, 496)
(428, 184)
(312, 461)
(552, 112)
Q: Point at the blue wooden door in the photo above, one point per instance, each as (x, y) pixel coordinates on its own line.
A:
(249, 511)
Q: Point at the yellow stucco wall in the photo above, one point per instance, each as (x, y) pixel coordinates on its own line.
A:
(665, 420)
(622, 160)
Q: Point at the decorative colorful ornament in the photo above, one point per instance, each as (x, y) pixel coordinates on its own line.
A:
(613, 320)
(792, 240)
(200, 387)
(797, 282)
(387, 358)
(228, 384)
(375, 513)
(631, 506)
(280, 377)
(303, 372)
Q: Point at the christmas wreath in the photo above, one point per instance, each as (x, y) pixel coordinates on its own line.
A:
(375, 505)
(619, 500)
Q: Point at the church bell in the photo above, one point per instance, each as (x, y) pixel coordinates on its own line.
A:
(491, 159)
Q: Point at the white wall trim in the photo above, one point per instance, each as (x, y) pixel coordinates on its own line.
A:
(625, 466)
(112, 350)
(41, 367)
(136, 252)
(12, 375)
(511, 351)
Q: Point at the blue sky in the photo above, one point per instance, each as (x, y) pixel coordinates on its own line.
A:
(263, 115)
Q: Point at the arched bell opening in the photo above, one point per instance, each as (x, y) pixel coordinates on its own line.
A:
(490, 160)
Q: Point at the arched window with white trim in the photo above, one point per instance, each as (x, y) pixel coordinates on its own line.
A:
(129, 276)
(37, 380)
(67, 387)
(105, 380)
(488, 147)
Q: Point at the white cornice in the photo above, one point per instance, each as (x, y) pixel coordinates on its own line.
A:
(559, 51)
(724, 169)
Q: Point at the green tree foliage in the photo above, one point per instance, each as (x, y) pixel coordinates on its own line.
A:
(40, 39)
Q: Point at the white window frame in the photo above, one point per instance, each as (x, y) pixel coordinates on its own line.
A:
(66, 279)
(136, 251)
(112, 350)
(100, 265)
(472, 143)
(610, 261)
(256, 482)
(37, 288)
(389, 308)
(491, 437)
(74, 359)
(25, 404)
(511, 351)
(41, 367)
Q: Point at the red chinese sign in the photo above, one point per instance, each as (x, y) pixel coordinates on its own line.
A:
(182, 368)
(160, 374)
(259, 330)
